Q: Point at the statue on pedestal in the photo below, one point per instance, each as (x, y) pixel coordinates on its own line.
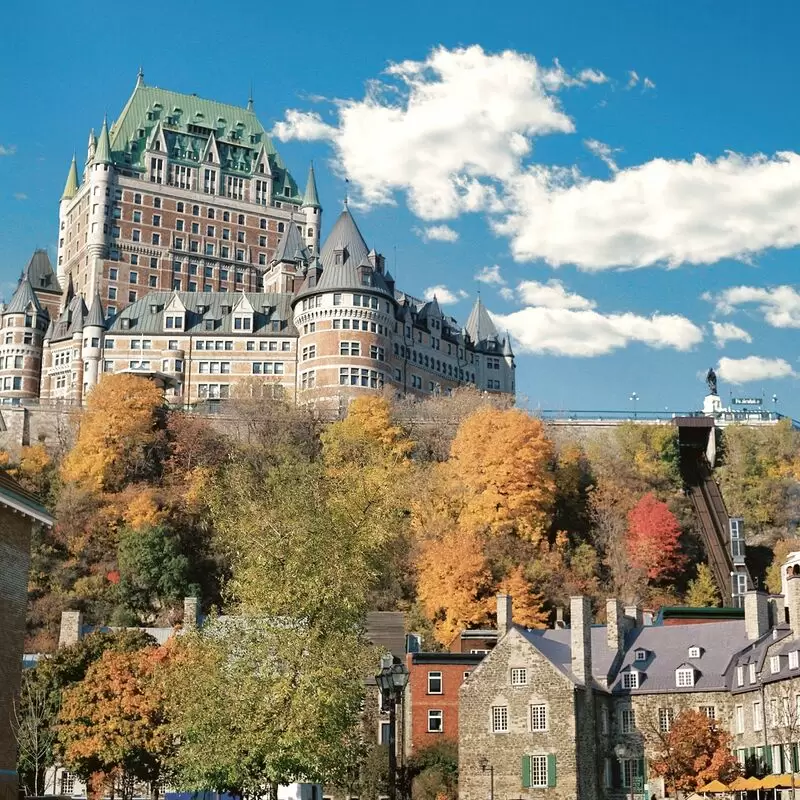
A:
(711, 380)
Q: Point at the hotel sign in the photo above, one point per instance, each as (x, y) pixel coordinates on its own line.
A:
(746, 401)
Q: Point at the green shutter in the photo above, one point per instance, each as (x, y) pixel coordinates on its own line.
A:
(551, 770)
(526, 772)
(795, 760)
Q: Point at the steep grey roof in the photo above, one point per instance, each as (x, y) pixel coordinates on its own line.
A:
(95, 316)
(291, 247)
(387, 629)
(507, 351)
(71, 319)
(667, 649)
(344, 235)
(311, 198)
(40, 273)
(23, 298)
(479, 324)
(555, 646)
(777, 642)
(268, 306)
(50, 328)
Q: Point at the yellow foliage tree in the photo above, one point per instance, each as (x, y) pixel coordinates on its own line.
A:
(527, 604)
(454, 584)
(143, 507)
(119, 434)
(501, 464)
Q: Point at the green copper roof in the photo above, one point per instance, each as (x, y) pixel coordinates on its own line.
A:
(187, 122)
(103, 153)
(310, 198)
(71, 187)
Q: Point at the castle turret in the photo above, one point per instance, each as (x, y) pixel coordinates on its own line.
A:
(313, 211)
(100, 182)
(70, 190)
(93, 329)
(91, 147)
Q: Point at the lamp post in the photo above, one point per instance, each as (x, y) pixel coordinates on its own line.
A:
(485, 765)
(392, 680)
(623, 754)
(634, 399)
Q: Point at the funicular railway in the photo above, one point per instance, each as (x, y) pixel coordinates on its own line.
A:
(723, 535)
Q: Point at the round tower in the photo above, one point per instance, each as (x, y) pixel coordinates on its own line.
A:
(344, 314)
(101, 175)
(93, 331)
(313, 213)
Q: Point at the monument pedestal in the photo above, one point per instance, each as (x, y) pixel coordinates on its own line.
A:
(712, 404)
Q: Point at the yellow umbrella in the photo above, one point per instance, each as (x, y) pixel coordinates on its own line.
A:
(777, 782)
(753, 783)
(739, 785)
(715, 787)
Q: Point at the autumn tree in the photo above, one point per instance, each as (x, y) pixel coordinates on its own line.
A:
(113, 725)
(527, 603)
(702, 591)
(694, 752)
(653, 538)
(35, 715)
(120, 438)
(501, 471)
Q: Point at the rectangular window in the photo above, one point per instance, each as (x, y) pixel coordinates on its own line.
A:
(435, 722)
(539, 717)
(709, 711)
(793, 659)
(758, 717)
(434, 683)
(519, 676)
(774, 664)
(383, 733)
(740, 676)
(499, 719)
(539, 777)
(751, 669)
(349, 348)
(631, 770)
(739, 719)
(628, 720)
(665, 719)
(630, 680)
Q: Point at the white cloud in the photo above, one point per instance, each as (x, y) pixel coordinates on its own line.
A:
(552, 294)
(728, 332)
(444, 130)
(507, 293)
(491, 275)
(633, 78)
(648, 84)
(443, 295)
(753, 368)
(780, 305)
(604, 152)
(20, 196)
(437, 233)
(662, 212)
(586, 333)
(8, 150)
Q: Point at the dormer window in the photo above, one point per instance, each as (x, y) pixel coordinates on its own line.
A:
(242, 323)
(126, 324)
(695, 651)
(630, 680)
(684, 677)
(208, 324)
(740, 676)
(640, 654)
(751, 672)
(794, 661)
(774, 664)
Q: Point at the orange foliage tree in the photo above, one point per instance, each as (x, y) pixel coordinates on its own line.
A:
(527, 604)
(653, 538)
(501, 463)
(694, 752)
(119, 436)
(113, 725)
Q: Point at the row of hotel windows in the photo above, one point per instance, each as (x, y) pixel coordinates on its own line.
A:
(353, 376)
(537, 718)
(364, 325)
(361, 300)
(12, 384)
(429, 362)
(210, 213)
(201, 344)
(14, 362)
(27, 338)
(780, 714)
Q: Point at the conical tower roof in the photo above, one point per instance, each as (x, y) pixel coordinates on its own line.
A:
(103, 153)
(49, 332)
(71, 186)
(346, 236)
(24, 297)
(291, 247)
(311, 198)
(40, 272)
(507, 351)
(95, 316)
(479, 324)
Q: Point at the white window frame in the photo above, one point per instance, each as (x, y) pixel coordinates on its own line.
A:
(519, 676)
(751, 672)
(627, 720)
(435, 714)
(758, 716)
(540, 771)
(630, 679)
(794, 659)
(435, 676)
(694, 652)
(684, 677)
(740, 675)
(739, 719)
(709, 711)
(666, 716)
(640, 655)
(774, 664)
(538, 717)
(499, 719)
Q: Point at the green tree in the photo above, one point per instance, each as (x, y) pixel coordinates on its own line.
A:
(703, 590)
(153, 573)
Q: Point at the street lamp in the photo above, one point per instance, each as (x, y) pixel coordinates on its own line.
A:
(392, 680)
(485, 765)
(623, 754)
(634, 399)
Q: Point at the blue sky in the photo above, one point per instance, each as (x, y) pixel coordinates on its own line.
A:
(623, 176)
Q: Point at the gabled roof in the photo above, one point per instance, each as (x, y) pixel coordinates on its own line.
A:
(40, 272)
(310, 197)
(291, 247)
(24, 298)
(479, 324)
(13, 496)
(71, 319)
(71, 186)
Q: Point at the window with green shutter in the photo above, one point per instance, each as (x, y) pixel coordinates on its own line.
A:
(551, 770)
(538, 771)
(526, 772)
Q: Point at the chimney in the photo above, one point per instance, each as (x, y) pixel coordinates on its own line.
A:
(71, 631)
(634, 613)
(792, 601)
(580, 621)
(191, 613)
(777, 610)
(504, 615)
(756, 614)
(559, 624)
(615, 625)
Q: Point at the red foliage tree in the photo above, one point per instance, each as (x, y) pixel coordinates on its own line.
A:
(653, 538)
